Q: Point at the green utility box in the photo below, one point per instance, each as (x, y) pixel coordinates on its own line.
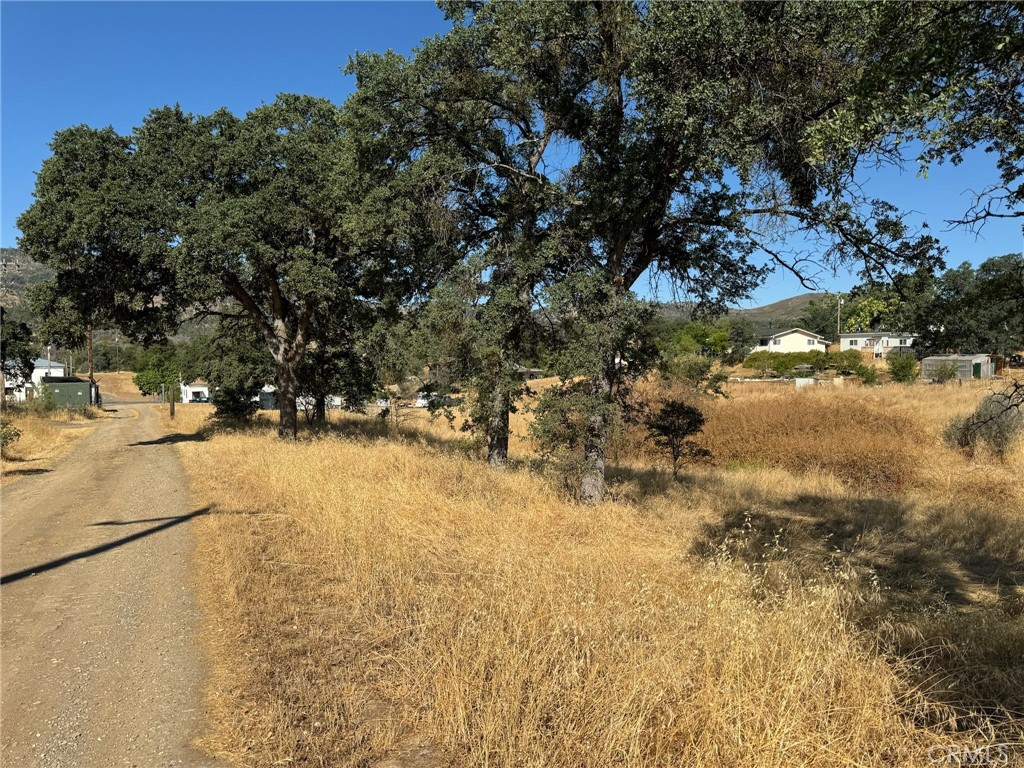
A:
(67, 391)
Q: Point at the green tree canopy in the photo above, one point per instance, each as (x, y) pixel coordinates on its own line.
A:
(278, 218)
(17, 352)
(681, 133)
(976, 309)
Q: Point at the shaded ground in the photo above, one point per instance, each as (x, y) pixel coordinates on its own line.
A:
(101, 665)
(942, 589)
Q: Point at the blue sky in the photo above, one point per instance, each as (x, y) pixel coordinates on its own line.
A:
(65, 63)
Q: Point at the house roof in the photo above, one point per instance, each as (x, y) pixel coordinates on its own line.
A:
(798, 330)
(860, 334)
(975, 358)
(42, 362)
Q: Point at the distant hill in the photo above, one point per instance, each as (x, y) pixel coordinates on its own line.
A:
(782, 314)
(18, 273)
(771, 317)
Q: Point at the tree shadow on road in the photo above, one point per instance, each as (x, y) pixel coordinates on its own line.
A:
(140, 521)
(10, 578)
(23, 472)
(174, 437)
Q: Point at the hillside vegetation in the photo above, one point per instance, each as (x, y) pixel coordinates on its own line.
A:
(376, 593)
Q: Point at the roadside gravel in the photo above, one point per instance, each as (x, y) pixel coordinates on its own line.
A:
(101, 665)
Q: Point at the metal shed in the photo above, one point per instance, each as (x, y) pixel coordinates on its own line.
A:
(967, 366)
(67, 391)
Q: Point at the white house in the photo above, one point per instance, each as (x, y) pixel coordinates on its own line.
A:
(793, 340)
(195, 392)
(880, 343)
(20, 391)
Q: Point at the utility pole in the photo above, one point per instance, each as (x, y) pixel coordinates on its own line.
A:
(839, 314)
(92, 376)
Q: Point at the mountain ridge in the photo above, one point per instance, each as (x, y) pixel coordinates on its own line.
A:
(20, 273)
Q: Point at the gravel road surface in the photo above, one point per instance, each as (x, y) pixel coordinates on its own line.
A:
(100, 660)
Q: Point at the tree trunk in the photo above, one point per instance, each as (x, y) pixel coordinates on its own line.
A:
(171, 398)
(498, 427)
(287, 388)
(392, 413)
(320, 410)
(595, 443)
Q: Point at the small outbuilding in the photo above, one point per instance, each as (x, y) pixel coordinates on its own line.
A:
(67, 391)
(978, 366)
(528, 374)
(268, 398)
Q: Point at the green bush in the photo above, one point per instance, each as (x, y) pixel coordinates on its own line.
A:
(9, 435)
(759, 361)
(997, 422)
(234, 404)
(672, 427)
(784, 363)
(44, 404)
(850, 360)
(945, 372)
(903, 368)
(868, 374)
(699, 372)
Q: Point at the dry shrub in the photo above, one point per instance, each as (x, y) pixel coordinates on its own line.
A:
(997, 423)
(366, 596)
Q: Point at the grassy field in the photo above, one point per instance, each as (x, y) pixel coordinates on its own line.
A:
(48, 437)
(45, 439)
(118, 386)
(836, 587)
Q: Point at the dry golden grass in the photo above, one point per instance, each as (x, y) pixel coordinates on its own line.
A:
(118, 385)
(373, 596)
(45, 440)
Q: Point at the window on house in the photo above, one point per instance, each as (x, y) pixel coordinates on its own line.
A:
(853, 342)
(811, 342)
(903, 342)
(776, 341)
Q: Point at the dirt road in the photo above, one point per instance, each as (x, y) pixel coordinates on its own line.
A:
(101, 665)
